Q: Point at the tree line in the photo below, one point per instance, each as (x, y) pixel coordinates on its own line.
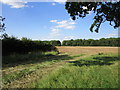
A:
(12, 45)
(92, 42)
(85, 42)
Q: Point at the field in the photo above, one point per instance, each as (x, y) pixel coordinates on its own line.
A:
(73, 67)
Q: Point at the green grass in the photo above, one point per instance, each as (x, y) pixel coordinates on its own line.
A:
(98, 71)
(51, 53)
(95, 71)
(104, 59)
(8, 78)
(40, 62)
(31, 58)
(79, 55)
(14, 76)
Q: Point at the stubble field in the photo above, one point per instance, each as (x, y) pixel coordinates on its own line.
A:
(73, 50)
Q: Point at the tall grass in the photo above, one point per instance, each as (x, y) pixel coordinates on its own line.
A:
(90, 75)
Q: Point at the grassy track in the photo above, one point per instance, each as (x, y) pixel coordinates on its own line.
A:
(72, 70)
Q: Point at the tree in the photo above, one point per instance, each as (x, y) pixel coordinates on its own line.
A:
(2, 25)
(104, 11)
(92, 42)
(25, 39)
(55, 42)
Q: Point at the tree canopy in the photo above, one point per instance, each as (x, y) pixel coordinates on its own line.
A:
(12, 45)
(92, 42)
(104, 11)
(2, 25)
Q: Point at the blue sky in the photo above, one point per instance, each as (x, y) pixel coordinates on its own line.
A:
(49, 21)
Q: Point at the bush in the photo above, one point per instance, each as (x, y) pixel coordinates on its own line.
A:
(11, 45)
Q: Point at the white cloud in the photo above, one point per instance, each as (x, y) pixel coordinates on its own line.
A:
(72, 23)
(61, 25)
(69, 27)
(53, 4)
(62, 22)
(65, 24)
(60, 1)
(114, 34)
(69, 37)
(55, 32)
(15, 3)
(53, 35)
(53, 20)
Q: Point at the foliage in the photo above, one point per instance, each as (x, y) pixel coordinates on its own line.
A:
(75, 76)
(2, 25)
(92, 42)
(11, 45)
(53, 42)
(104, 11)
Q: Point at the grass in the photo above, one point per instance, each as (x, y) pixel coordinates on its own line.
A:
(53, 70)
(32, 58)
(99, 59)
(79, 55)
(45, 60)
(85, 74)
(14, 76)
(18, 58)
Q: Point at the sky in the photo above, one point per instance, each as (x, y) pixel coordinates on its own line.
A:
(49, 21)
